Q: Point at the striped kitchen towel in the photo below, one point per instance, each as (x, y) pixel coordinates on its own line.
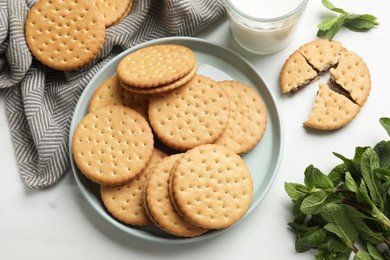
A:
(40, 101)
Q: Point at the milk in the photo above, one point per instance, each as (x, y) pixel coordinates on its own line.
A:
(265, 9)
(264, 26)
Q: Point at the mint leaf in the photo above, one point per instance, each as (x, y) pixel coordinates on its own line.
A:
(295, 190)
(331, 7)
(350, 183)
(360, 23)
(370, 162)
(374, 253)
(339, 224)
(385, 122)
(355, 22)
(362, 255)
(382, 149)
(366, 232)
(337, 174)
(314, 202)
(312, 240)
(314, 178)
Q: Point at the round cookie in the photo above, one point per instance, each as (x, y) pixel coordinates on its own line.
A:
(211, 186)
(64, 35)
(112, 10)
(194, 114)
(110, 92)
(158, 204)
(155, 65)
(112, 145)
(331, 110)
(163, 88)
(248, 117)
(353, 76)
(125, 202)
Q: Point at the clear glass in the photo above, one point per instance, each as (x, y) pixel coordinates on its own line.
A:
(264, 36)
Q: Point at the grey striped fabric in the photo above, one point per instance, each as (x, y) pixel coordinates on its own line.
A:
(40, 101)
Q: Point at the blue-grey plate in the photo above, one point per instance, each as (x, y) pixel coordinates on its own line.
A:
(218, 63)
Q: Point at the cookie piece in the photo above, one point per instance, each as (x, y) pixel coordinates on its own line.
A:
(194, 114)
(112, 10)
(125, 202)
(155, 65)
(296, 74)
(248, 117)
(353, 76)
(163, 88)
(112, 145)
(211, 186)
(64, 35)
(331, 110)
(321, 54)
(110, 92)
(158, 204)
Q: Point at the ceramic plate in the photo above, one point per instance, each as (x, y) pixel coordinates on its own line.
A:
(218, 63)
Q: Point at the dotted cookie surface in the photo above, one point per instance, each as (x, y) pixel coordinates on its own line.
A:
(112, 145)
(112, 10)
(296, 73)
(211, 186)
(194, 114)
(158, 203)
(64, 35)
(110, 92)
(331, 110)
(353, 75)
(321, 54)
(125, 202)
(155, 65)
(248, 117)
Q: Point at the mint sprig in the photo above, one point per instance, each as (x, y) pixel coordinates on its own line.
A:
(348, 210)
(352, 21)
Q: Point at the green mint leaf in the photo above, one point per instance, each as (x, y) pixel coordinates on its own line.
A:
(334, 245)
(363, 196)
(374, 253)
(362, 255)
(350, 183)
(337, 174)
(339, 224)
(295, 190)
(354, 22)
(331, 32)
(312, 240)
(339, 232)
(327, 24)
(313, 203)
(350, 165)
(366, 232)
(370, 162)
(297, 208)
(385, 122)
(327, 255)
(314, 178)
(382, 149)
(331, 7)
(360, 23)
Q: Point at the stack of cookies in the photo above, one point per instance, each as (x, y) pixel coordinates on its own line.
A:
(68, 35)
(338, 102)
(196, 179)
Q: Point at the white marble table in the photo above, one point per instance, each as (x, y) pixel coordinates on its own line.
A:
(58, 223)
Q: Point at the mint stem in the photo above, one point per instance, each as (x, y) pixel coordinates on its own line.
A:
(357, 206)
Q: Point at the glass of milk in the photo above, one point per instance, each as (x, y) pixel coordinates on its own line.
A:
(264, 26)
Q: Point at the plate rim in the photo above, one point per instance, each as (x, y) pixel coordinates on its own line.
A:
(129, 229)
